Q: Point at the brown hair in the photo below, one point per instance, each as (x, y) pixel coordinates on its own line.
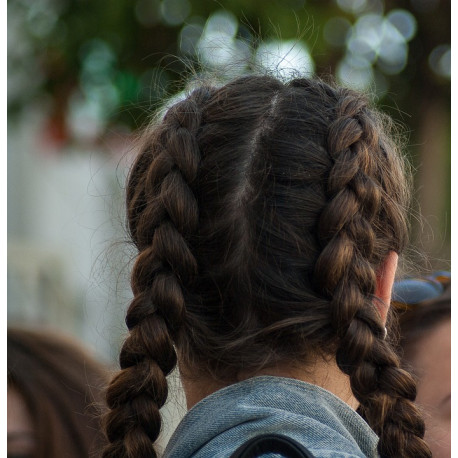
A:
(261, 211)
(62, 387)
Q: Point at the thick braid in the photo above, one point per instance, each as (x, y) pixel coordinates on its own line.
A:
(162, 213)
(349, 229)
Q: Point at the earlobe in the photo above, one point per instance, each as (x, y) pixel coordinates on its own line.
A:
(385, 279)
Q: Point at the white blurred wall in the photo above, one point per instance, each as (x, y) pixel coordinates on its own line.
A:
(65, 222)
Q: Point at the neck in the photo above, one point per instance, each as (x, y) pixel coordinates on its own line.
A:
(323, 373)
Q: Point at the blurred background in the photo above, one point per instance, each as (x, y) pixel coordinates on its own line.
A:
(84, 75)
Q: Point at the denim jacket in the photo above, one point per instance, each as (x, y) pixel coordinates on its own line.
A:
(311, 415)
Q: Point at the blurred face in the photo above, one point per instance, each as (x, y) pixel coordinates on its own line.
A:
(432, 364)
(20, 434)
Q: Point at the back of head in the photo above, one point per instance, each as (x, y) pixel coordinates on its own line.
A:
(62, 386)
(421, 305)
(424, 308)
(262, 211)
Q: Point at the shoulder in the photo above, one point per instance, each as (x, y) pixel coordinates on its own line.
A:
(313, 417)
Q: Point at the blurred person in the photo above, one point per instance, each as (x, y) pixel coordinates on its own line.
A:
(268, 216)
(54, 396)
(424, 308)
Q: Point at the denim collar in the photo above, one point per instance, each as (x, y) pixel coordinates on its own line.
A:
(318, 419)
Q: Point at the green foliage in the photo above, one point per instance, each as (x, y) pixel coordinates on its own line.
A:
(107, 52)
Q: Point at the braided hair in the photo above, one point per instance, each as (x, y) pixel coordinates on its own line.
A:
(262, 211)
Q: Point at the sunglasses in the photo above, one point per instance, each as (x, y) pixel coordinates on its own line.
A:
(412, 291)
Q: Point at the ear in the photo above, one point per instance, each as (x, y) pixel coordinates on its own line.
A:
(385, 280)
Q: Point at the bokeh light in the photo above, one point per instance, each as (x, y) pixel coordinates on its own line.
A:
(352, 6)
(354, 73)
(174, 12)
(440, 60)
(380, 41)
(404, 22)
(218, 45)
(41, 18)
(358, 7)
(190, 35)
(287, 58)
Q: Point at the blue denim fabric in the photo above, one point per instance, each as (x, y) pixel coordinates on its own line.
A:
(313, 416)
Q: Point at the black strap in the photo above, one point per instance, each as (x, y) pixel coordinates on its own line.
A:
(272, 443)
